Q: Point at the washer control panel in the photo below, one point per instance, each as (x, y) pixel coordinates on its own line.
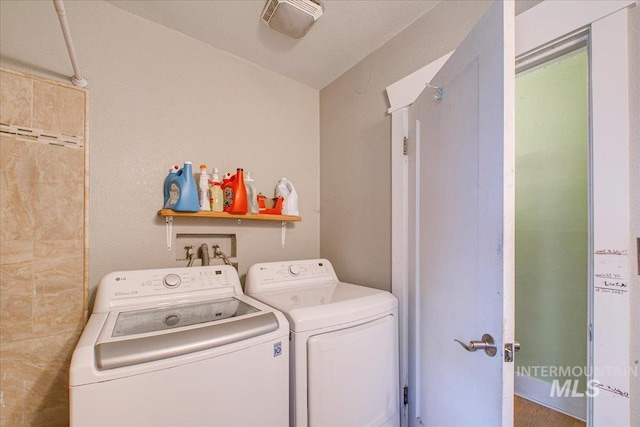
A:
(141, 283)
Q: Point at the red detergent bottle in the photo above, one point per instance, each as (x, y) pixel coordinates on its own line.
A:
(235, 194)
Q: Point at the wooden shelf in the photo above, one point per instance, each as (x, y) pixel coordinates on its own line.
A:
(226, 215)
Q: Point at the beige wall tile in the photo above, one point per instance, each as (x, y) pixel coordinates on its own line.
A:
(13, 413)
(59, 198)
(17, 162)
(59, 312)
(59, 164)
(16, 320)
(16, 94)
(58, 109)
(58, 265)
(59, 213)
(16, 215)
(42, 285)
(16, 268)
(35, 381)
(18, 174)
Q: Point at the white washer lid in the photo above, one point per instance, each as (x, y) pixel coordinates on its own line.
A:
(329, 304)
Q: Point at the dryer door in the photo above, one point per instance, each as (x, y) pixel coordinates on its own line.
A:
(353, 376)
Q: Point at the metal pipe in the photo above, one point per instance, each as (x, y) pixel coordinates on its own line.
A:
(204, 254)
(77, 78)
(190, 257)
(217, 253)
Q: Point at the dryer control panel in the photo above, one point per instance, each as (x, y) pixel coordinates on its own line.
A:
(271, 275)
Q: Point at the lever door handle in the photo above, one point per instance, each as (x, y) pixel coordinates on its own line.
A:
(487, 344)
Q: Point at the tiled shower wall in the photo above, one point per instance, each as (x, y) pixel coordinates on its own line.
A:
(43, 244)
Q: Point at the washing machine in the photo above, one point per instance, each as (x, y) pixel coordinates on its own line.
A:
(343, 342)
(180, 347)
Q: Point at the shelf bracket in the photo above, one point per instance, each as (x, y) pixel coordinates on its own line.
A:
(284, 232)
(168, 220)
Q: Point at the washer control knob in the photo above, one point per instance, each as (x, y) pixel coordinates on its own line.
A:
(171, 281)
(294, 270)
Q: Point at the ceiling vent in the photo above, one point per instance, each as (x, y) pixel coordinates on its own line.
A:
(292, 17)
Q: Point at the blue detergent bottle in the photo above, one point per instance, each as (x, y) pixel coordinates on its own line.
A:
(183, 193)
(174, 169)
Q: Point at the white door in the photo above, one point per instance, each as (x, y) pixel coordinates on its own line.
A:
(463, 215)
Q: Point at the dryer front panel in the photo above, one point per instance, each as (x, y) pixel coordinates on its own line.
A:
(353, 375)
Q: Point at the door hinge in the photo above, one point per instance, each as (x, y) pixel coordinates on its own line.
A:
(405, 145)
(406, 395)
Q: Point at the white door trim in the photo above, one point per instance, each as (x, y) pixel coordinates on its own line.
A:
(610, 216)
(400, 249)
(558, 18)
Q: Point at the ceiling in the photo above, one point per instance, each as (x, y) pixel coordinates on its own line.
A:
(346, 33)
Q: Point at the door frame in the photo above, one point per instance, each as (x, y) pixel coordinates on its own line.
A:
(543, 23)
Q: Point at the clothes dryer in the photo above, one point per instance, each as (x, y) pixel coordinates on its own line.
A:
(343, 342)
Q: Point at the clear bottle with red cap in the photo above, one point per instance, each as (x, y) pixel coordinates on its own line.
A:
(216, 196)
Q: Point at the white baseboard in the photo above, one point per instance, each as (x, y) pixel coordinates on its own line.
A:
(539, 391)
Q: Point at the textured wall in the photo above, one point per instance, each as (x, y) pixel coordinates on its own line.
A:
(159, 98)
(42, 248)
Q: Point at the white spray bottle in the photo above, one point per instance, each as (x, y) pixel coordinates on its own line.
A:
(252, 195)
(203, 189)
(287, 191)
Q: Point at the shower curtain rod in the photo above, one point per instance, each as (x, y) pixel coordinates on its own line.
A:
(77, 78)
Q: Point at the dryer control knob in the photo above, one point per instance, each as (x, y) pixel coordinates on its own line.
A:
(171, 280)
(294, 270)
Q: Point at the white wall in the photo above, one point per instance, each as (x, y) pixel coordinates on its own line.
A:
(158, 97)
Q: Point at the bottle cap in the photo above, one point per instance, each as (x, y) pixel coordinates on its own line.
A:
(203, 166)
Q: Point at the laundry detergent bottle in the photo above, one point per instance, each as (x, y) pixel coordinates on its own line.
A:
(287, 191)
(203, 189)
(252, 195)
(174, 169)
(235, 194)
(216, 196)
(183, 192)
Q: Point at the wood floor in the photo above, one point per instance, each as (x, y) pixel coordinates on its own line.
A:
(529, 414)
